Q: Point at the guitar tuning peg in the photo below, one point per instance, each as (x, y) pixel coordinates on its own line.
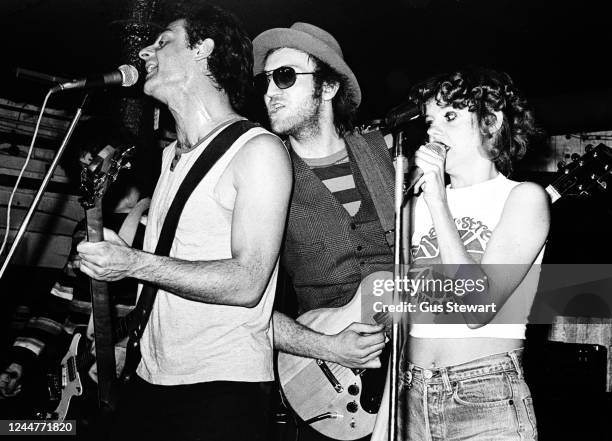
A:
(588, 148)
(575, 156)
(561, 164)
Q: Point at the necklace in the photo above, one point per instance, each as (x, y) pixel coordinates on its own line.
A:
(179, 149)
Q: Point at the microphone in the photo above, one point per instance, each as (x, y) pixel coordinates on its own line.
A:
(32, 75)
(125, 75)
(415, 173)
(401, 114)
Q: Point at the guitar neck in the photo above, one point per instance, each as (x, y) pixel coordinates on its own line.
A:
(102, 318)
(95, 225)
(584, 174)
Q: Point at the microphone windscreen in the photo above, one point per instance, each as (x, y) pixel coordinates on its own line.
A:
(438, 148)
(129, 74)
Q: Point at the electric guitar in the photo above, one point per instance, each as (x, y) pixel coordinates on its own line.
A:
(342, 403)
(67, 381)
(96, 178)
(338, 402)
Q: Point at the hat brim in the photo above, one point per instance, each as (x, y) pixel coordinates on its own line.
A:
(285, 37)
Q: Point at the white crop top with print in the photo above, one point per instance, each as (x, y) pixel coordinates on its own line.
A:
(476, 210)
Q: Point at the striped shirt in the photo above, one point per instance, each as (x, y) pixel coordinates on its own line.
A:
(336, 174)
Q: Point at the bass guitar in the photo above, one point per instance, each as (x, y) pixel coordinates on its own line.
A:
(96, 177)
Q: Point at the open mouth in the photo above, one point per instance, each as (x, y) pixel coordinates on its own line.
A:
(151, 69)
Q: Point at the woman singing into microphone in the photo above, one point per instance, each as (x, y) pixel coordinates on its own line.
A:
(462, 375)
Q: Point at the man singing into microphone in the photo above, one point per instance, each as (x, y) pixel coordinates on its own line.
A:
(207, 346)
(343, 184)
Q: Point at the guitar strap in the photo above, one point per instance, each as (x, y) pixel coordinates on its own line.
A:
(139, 317)
(379, 179)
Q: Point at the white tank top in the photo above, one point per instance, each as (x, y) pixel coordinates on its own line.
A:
(186, 341)
(476, 210)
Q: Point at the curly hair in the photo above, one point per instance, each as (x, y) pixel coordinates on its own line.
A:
(231, 62)
(342, 103)
(485, 91)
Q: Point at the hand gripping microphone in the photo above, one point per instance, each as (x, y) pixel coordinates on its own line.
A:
(125, 75)
(415, 173)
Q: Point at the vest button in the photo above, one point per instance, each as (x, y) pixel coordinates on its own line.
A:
(359, 248)
(353, 226)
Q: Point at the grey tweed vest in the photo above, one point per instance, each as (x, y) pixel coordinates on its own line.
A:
(326, 251)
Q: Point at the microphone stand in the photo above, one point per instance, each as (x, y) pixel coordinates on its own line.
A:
(400, 163)
(45, 182)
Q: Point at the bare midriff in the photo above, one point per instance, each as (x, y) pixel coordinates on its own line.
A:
(440, 352)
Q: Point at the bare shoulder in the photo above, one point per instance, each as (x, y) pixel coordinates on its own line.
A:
(264, 144)
(529, 193)
(527, 206)
(263, 150)
(262, 157)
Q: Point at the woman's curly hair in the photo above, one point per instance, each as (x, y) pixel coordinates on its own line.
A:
(231, 62)
(485, 91)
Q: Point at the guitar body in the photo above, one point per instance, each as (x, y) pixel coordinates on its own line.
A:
(345, 407)
(67, 383)
(341, 403)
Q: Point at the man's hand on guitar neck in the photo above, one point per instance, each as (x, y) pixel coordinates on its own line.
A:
(10, 380)
(109, 260)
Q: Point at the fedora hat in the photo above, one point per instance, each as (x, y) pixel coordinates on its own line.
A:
(312, 40)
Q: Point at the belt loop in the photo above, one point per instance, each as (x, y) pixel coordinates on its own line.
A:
(446, 380)
(516, 363)
(406, 376)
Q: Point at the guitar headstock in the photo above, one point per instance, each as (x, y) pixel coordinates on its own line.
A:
(584, 174)
(102, 171)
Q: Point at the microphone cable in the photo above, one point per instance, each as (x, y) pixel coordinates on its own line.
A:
(23, 168)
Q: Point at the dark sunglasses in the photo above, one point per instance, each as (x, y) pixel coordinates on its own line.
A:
(284, 77)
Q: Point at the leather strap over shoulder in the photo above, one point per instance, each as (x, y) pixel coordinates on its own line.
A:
(371, 154)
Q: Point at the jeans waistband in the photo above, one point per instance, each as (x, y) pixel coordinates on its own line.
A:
(505, 362)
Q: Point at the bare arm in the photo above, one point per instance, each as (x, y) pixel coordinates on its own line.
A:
(515, 244)
(262, 178)
(510, 253)
(359, 345)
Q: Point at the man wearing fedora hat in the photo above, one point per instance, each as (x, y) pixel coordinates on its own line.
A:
(343, 186)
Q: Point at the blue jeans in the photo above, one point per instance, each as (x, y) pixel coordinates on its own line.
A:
(483, 399)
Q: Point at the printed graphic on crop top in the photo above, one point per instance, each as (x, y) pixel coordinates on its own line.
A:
(474, 234)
